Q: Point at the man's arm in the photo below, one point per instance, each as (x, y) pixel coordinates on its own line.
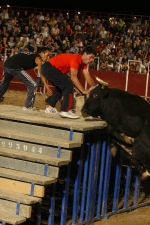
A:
(38, 61)
(88, 77)
(76, 81)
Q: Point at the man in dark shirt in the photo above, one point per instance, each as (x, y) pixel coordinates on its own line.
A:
(16, 65)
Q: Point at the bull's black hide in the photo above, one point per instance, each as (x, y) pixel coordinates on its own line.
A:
(127, 117)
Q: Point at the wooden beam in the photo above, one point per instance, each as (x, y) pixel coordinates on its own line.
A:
(18, 197)
(35, 148)
(42, 131)
(21, 187)
(28, 167)
(33, 157)
(7, 217)
(37, 139)
(25, 210)
(26, 177)
(16, 113)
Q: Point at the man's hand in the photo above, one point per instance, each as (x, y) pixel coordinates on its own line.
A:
(86, 92)
(49, 91)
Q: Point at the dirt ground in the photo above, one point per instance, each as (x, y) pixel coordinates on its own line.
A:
(140, 216)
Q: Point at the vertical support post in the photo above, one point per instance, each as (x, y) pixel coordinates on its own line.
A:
(52, 206)
(101, 179)
(85, 175)
(117, 184)
(92, 182)
(45, 169)
(37, 220)
(106, 182)
(58, 152)
(127, 187)
(32, 189)
(77, 183)
(17, 208)
(65, 197)
(71, 134)
(136, 190)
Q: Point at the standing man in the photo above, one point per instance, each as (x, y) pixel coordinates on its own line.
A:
(16, 65)
(57, 70)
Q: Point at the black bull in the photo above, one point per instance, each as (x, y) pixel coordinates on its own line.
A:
(128, 120)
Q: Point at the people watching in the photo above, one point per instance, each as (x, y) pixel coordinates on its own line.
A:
(114, 38)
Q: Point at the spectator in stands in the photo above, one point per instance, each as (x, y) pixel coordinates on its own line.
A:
(130, 54)
(47, 18)
(120, 24)
(103, 33)
(74, 48)
(60, 18)
(40, 17)
(55, 30)
(68, 19)
(134, 47)
(26, 32)
(25, 18)
(100, 47)
(4, 14)
(88, 20)
(137, 31)
(106, 50)
(145, 25)
(52, 22)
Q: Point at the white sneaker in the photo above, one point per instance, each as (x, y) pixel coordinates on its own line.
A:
(69, 114)
(30, 108)
(51, 110)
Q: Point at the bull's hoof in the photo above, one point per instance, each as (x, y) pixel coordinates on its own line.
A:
(145, 175)
(127, 139)
(2, 99)
(113, 150)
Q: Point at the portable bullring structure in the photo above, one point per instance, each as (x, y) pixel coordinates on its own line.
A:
(60, 171)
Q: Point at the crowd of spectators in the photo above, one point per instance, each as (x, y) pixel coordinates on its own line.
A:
(115, 40)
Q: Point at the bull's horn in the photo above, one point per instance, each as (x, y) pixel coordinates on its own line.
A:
(101, 81)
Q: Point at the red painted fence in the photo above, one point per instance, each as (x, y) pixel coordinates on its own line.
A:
(136, 82)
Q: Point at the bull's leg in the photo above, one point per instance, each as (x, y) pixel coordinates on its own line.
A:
(119, 137)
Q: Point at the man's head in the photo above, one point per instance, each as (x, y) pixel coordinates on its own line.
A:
(44, 53)
(88, 54)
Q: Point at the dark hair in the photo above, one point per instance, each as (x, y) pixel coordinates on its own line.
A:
(89, 50)
(43, 49)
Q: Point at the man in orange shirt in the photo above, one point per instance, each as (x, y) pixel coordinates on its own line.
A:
(57, 69)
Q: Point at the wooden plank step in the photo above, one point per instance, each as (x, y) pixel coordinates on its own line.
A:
(21, 187)
(38, 139)
(35, 148)
(28, 167)
(7, 217)
(17, 114)
(24, 210)
(18, 197)
(33, 157)
(26, 177)
(44, 131)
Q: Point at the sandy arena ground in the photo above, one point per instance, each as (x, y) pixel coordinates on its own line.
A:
(139, 216)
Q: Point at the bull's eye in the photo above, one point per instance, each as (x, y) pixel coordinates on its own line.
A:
(95, 95)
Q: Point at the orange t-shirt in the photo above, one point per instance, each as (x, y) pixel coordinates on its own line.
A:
(64, 62)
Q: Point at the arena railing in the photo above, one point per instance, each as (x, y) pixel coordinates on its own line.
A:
(105, 15)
